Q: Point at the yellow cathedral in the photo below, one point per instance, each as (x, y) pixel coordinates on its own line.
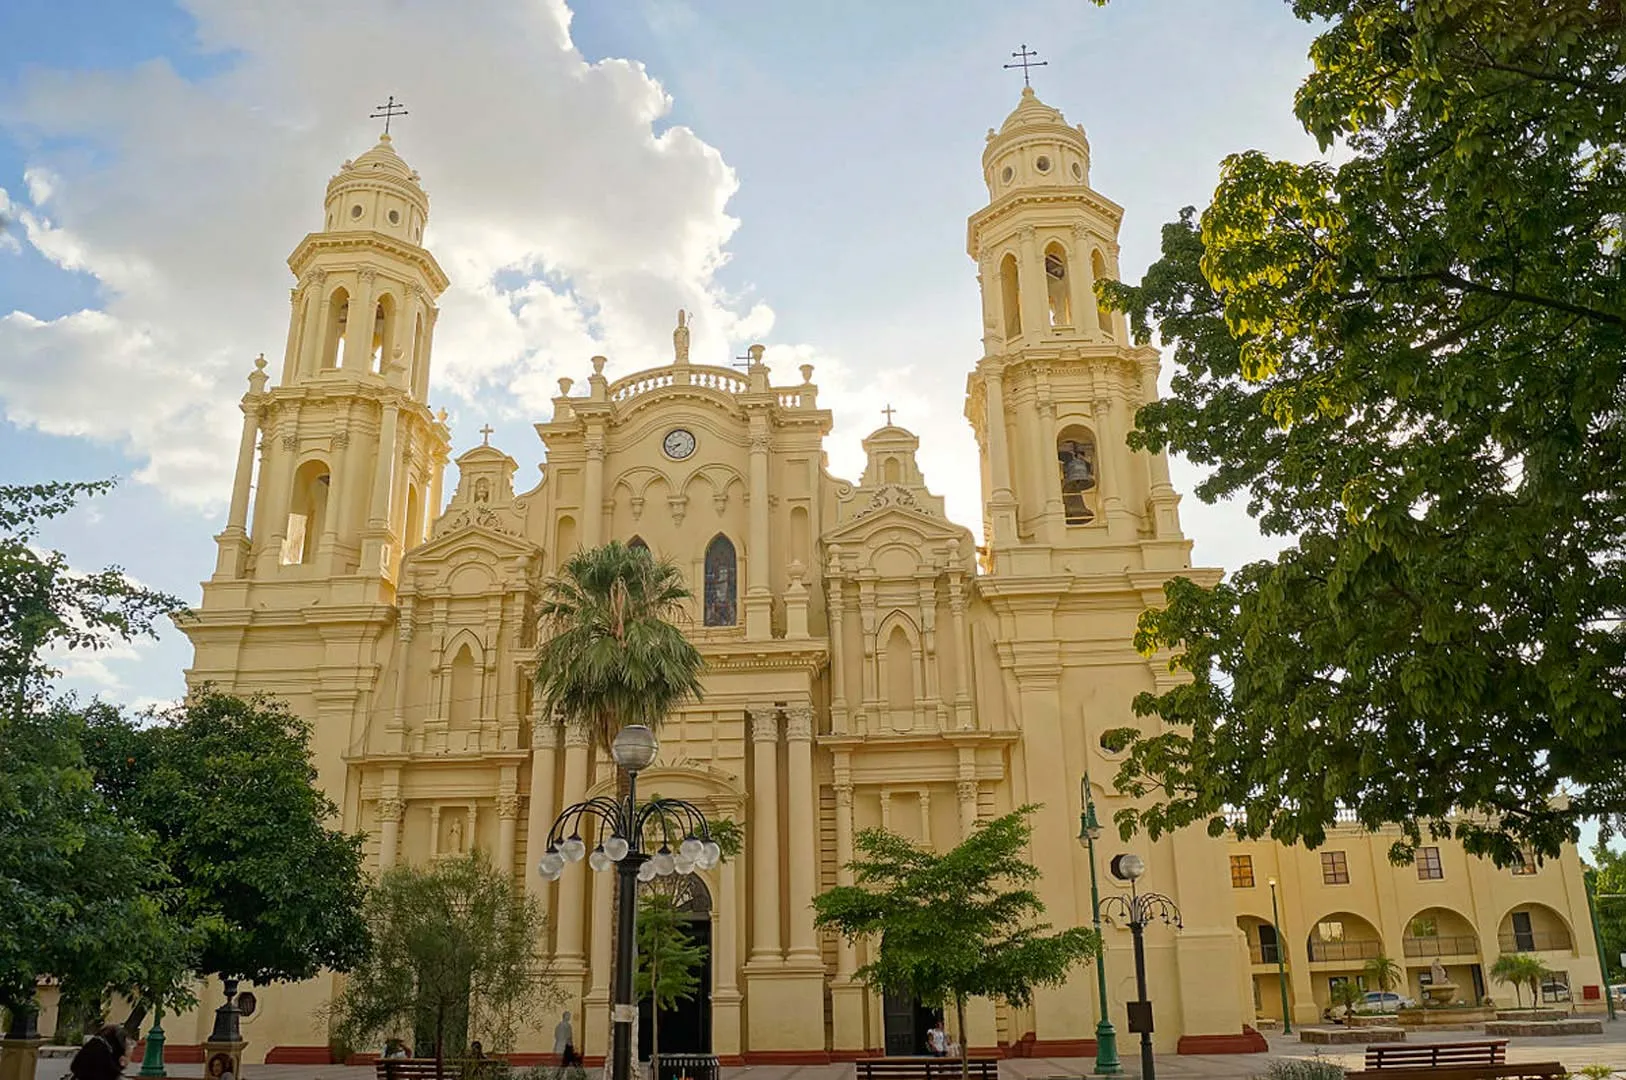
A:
(870, 662)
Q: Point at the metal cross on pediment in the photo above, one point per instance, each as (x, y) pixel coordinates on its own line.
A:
(391, 109)
(1025, 60)
(889, 410)
(485, 433)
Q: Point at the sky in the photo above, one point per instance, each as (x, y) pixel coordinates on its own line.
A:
(793, 174)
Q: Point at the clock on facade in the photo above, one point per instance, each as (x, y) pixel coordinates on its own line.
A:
(678, 444)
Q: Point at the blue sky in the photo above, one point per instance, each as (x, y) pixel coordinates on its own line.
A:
(798, 174)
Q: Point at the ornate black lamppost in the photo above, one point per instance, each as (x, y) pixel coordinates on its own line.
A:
(1106, 1039)
(623, 831)
(1137, 910)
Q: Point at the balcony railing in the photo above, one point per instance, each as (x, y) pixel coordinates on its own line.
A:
(1345, 950)
(1265, 954)
(1441, 945)
(1537, 941)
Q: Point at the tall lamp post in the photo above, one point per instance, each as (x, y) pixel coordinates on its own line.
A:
(1137, 909)
(1089, 831)
(1281, 959)
(624, 830)
(1590, 880)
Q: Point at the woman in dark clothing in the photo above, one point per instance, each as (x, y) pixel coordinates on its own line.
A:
(103, 1057)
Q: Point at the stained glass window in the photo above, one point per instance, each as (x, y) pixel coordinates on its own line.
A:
(722, 578)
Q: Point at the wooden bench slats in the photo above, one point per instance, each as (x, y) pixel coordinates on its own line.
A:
(1521, 1070)
(424, 1068)
(924, 1068)
(1434, 1055)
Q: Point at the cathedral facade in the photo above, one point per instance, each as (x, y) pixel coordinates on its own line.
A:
(870, 662)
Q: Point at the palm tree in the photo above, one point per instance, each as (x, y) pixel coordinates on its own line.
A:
(1521, 969)
(612, 654)
(1347, 992)
(1383, 972)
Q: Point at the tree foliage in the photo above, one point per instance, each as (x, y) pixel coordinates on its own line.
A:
(1383, 972)
(951, 926)
(226, 786)
(612, 653)
(81, 896)
(669, 963)
(1412, 363)
(452, 957)
(1609, 886)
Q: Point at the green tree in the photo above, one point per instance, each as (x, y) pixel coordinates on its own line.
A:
(951, 926)
(227, 787)
(452, 957)
(1348, 994)
(1521, 970)
(1383, 972)
(668, 964)
(1411, 363)
(81, 897)
(1609, 885)
(612, 653)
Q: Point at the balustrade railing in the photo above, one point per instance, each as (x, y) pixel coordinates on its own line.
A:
(1441, 945)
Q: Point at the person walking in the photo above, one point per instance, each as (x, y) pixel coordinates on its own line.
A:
(937, 1040)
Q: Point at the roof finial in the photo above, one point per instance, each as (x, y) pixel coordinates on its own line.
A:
(680, 338)
(889, 410)
(485, 435)
(392, 108)
(1025, 60)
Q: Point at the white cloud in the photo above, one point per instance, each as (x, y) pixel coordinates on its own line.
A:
(570, 219)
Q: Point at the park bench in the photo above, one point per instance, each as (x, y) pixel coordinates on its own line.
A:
(925, 1068)
(1451, 1061)
(424, 1068)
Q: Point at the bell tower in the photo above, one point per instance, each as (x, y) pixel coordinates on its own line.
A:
(350, 457)
(1056, 390)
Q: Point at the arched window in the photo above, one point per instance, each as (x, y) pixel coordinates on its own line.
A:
(1010, 296)
(722, 583)
(1075, 453)
(1057, 287)
(891, 471)
(338, 321)
(564, 539)
(464, 708)
(1103, 317)
(637, 543)
(900, 678)
(307, 513)
(383, 343)
(412, 528)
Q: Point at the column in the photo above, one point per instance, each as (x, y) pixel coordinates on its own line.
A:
(338, 490)
(962, 650)
(846, 952)
(838, 678)
(1115, 491)
(846, 993)
(378, 508)
(1035, 298)
(1083, 273)
(358, 333)
(592, 523)
(725, 988)
(307, 353)
(391, 809)
(764, 849)
(395, 728)
(803, 829)
(758, 594)
(275, 500)
(966, 791)
(507, 827)
(539, 809)
(926, 817)
(1002, 509)
(595, 1011)
(237, 515)
(568, 954)
(437, 477)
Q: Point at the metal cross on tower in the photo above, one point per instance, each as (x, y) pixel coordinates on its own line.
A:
(392, 108)
(486, 434)
(889, 410)
(1025, 60)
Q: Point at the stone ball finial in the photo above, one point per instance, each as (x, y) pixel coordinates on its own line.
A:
(564, 386)
(259, 362)
(807, 373)
(796, 570)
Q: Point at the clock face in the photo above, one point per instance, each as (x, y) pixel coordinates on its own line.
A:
(678, 444)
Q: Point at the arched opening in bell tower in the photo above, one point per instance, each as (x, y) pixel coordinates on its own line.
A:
(383, 341)
(338, 321)
(412, 527)
(417, 354)
(1075, 454)
(1057, 288)
(1010, 295)
(1103, 317)
(307, 513)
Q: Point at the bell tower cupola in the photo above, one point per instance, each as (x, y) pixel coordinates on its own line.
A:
(1056, 391)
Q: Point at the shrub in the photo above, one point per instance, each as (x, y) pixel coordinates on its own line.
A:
(1302, 1069)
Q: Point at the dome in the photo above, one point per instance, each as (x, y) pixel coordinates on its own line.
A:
(1035, 147)
(380, 192)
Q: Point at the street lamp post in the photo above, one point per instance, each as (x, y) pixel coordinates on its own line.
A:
(624, 830)
(1281, 959)
(1106, 1039)
(1137, 910)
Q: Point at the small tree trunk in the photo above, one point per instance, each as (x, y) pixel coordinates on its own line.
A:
(965, 1043)
(654, 1023)
(440, 1044)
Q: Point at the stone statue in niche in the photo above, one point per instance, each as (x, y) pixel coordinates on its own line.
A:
(454, 837)
(482, 490)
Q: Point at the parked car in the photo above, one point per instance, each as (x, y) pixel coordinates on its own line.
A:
(1618, 992)
(1374, 1001)
(1554, 991)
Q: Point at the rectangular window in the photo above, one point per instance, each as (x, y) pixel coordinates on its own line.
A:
(1332, 930)
(1425, 926)
(1334, 868)
(1526, 864)
(1428, 864)
(1241, 871)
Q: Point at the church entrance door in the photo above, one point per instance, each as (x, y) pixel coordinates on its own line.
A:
(685, 1029)
(906, 1022)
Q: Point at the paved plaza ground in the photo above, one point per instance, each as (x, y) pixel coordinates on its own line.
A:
(1574, 1052)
